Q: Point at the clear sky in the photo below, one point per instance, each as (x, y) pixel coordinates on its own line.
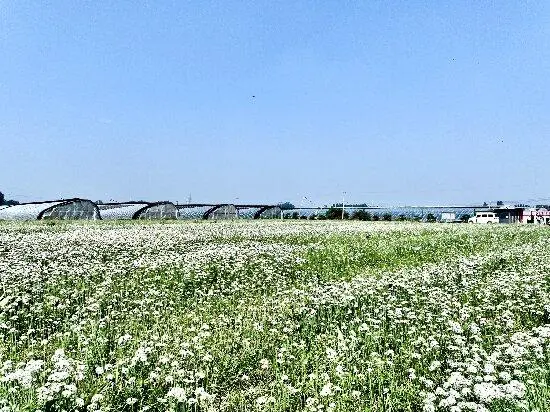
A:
(393, 102)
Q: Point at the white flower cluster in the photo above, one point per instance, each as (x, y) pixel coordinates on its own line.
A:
(23, 374)
(62, 379)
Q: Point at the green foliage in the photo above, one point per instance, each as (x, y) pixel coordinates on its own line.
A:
(360, 214)
(286, 206)
(386, 216)
(464, 218)
(334, 213)
(430, 218)
(355, 205)
(5, 202)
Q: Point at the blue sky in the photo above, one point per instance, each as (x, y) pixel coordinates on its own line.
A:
(392, 102)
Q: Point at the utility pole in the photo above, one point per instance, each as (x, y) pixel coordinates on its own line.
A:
(343, 201)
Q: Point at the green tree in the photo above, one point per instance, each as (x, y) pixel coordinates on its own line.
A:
(336, 213)
(286, 206)
(430, 218)
(386, 216)
(4, 201)
(464, 218)
(361, 215)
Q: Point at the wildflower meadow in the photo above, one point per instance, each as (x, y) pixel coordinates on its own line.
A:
(274, 316)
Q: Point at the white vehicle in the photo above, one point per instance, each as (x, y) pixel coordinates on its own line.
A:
(484, 217)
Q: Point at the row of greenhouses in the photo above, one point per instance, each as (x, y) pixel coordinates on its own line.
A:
(421, 213)
(88, 210)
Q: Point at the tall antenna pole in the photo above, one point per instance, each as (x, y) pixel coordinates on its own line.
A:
(343, 201)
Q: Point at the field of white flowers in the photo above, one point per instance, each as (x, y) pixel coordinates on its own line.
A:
(274, 316)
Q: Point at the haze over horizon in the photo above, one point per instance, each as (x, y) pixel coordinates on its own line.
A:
(264, 102)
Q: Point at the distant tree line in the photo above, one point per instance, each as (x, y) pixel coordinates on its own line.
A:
(286, 206)
(4, 202)
(352, 205)
(101, 202)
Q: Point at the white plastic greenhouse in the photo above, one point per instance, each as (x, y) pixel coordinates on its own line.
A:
(138, 210)
(258, 212)
(57, 209)
(206, 211)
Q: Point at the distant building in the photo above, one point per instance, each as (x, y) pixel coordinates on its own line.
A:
(511, 214)
(539, 216)
(448, 217)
